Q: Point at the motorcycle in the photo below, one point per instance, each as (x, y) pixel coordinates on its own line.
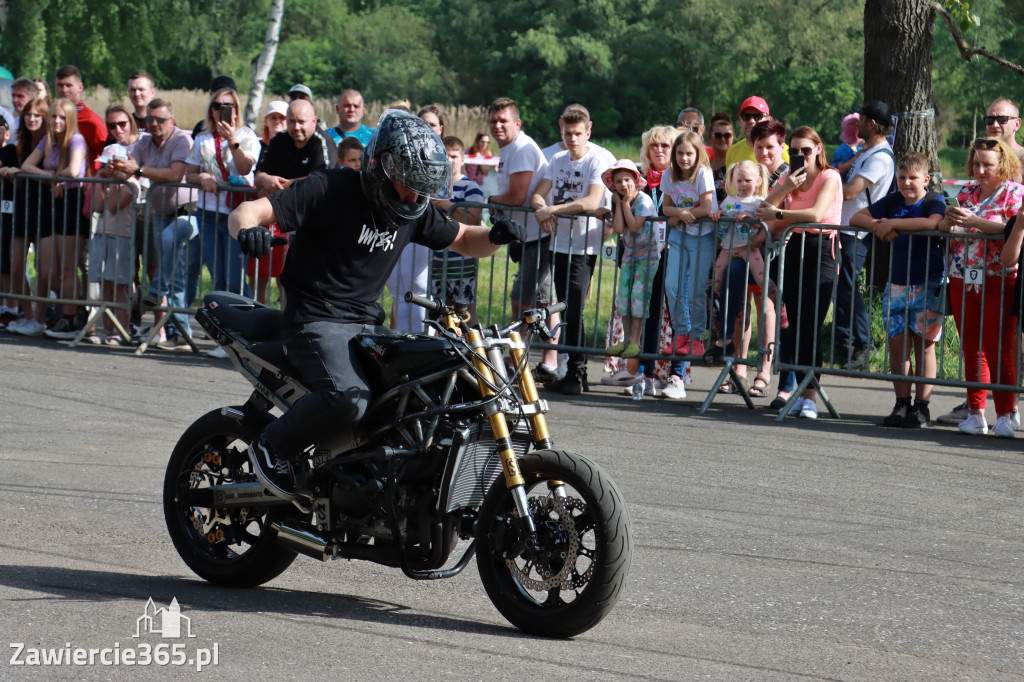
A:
(454, 447)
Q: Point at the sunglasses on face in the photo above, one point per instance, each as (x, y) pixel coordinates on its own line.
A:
(694, 127)
(157, 119)
(721, 136)
(756, 116)
(225, 106)
(985, 144)
(1001, 120)
(805, 151)
(116, 124)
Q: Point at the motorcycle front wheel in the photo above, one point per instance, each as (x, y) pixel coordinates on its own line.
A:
(574, 575)
(228, 547)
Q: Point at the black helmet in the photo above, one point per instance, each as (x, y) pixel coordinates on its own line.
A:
(403, 148)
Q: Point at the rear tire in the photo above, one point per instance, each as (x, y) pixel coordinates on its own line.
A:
(232, 548)
(571, 581)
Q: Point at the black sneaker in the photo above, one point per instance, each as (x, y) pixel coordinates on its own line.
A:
(858, 360)
(64, 329)
(544, 375)
(918, 416)
(276, 474)
(898, 415)
(567, 385)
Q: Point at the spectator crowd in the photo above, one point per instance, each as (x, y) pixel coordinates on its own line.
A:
(722, 217)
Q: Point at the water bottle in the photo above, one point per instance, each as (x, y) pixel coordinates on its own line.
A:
(640, 385)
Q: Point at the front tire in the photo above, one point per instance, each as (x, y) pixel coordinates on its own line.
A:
(572, 579)
(232, 548)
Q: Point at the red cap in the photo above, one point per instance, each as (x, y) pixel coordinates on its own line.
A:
(755, 102)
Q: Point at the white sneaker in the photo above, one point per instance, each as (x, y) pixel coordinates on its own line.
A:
(675, 390)
(217, 353)
(797, 406)
(809, 409)
(1004, 427)
(956, 415)
(28, 328)
(621, 378)
(974, 425)
(1015, 419)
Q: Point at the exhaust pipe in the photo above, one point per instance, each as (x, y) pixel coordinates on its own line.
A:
(302, 538)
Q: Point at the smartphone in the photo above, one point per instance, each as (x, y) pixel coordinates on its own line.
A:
(796, 163)
(227, 113)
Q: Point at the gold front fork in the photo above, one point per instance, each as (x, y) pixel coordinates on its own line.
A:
(542, 439)
(498, 424)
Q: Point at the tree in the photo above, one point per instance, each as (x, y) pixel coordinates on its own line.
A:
(264, 63)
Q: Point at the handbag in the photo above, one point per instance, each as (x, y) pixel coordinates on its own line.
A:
(234, 199)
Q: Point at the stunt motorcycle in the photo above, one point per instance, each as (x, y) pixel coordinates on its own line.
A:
(454, 447)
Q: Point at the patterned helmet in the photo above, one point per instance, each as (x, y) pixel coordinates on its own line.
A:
(404, 150)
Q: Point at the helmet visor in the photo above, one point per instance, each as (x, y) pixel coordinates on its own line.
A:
(427, 177)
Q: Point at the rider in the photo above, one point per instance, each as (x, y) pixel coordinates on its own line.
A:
(350, 228)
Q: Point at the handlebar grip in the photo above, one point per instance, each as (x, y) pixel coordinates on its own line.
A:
(279, 241)
(557, 307)
(432, 305)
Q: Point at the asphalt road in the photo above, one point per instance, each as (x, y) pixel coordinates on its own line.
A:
(808, 550)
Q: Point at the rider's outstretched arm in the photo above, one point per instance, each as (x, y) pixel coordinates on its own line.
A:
(250, 214)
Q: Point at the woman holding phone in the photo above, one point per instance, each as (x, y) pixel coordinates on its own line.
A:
(224, 156)
(810, 193)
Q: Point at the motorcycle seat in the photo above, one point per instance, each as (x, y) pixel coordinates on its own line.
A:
(252, 320)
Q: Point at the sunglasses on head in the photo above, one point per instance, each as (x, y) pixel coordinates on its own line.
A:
(719, 135)
(116, 124)
(756, 116)
(985, 143)
(157, 119)
(1002, 120)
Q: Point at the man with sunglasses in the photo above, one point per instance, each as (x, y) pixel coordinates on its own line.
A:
(1002, 121)
(869, 180)
(160, 157)
(753, 110)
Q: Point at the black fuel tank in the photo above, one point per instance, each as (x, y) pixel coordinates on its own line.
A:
(389, 357)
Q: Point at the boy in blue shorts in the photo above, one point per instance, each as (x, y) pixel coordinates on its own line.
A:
(912, 302)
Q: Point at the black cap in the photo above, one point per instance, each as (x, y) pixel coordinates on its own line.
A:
(221, 82)
(878, 112)
(4, 123)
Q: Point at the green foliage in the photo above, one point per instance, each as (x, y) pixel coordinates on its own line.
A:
(634, 63)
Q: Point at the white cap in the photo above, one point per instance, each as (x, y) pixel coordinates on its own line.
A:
(276, 107)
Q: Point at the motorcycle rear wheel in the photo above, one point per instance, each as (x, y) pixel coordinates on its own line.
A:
(231, 548)
(571, 581)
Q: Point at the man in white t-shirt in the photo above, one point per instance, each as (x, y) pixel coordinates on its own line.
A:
(572, 185)
(868, 181)
(520, 167)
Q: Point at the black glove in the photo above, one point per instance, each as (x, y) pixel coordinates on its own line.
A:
(255, 241)
(506, 231)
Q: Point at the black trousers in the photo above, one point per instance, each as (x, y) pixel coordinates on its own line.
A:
(808, 280)
(572, 274)
(340, 393)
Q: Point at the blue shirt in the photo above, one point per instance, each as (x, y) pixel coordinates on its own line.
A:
(924, 255)
(362, 133)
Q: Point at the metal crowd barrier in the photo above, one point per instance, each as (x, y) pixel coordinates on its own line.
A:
(988, 299)
(172, 249)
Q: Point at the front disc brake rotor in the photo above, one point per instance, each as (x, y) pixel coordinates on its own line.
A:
(541, 510)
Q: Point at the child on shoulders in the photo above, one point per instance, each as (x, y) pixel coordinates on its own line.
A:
(912, 304)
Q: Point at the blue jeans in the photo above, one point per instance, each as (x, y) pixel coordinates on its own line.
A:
(173, 244)
(221, 255)
(852, 332)
(687, 274)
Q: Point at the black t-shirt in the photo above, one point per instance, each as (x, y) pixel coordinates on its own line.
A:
(340, 256)
(284, 159)
(8, 159)
(1018, 294)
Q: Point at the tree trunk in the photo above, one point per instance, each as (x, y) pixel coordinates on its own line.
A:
(4, 7)
(898, 37)
(263, 63)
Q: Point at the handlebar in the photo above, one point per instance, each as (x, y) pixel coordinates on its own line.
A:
(279, 240)
(432, 305)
